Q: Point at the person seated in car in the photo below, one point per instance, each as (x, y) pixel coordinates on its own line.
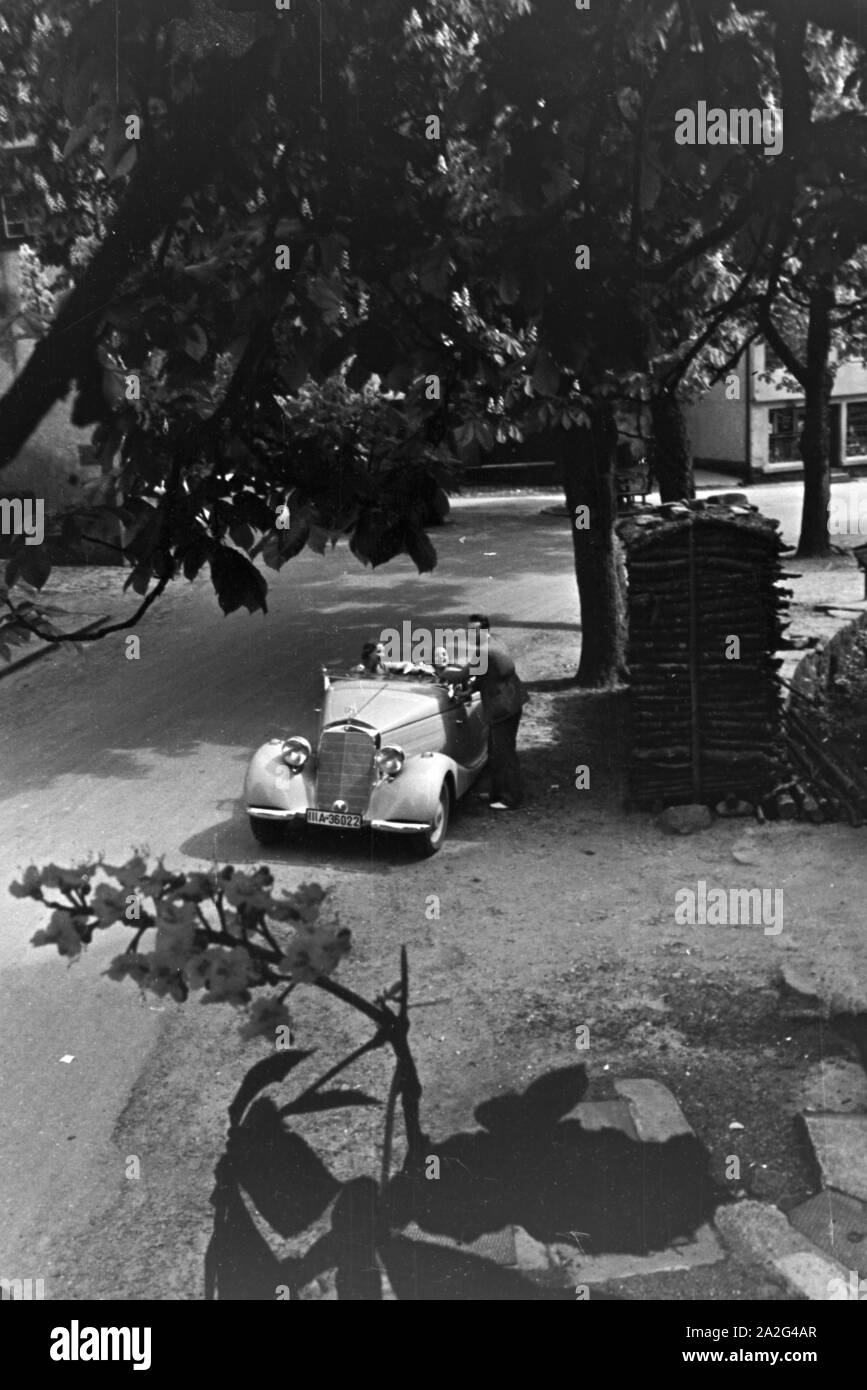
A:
(373, 663)
(449, 673)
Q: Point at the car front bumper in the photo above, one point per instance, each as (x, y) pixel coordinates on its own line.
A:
(392, 827)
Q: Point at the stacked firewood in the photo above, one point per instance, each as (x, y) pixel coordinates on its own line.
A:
(706, 615)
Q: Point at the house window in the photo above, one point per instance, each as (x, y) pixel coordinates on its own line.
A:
(16, 225)
(856, 429)
(784, 426)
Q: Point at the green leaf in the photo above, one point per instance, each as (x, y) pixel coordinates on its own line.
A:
(331, 250)
(435, 273)
(28, 565)
(126, 163)
(483, 434)
(651, 187)
(196, 342)
(465, 435)
(420, 550)
(139, 580)
(546, 375)
(294, 371)
(509, 288)
(237, 582)
(195, 557)
(242, 535)
(375, 542)
(35, 567)
(325, 296)
(98, 113)
(286, 544)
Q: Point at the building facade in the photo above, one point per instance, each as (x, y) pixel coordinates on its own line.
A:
(53, 465)
(750, 426)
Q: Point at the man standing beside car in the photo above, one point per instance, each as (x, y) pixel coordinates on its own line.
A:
(503, 698)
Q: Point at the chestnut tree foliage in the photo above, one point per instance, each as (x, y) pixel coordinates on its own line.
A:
(476, 205)
(258, 164)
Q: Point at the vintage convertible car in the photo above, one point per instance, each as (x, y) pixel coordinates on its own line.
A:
(393, 754)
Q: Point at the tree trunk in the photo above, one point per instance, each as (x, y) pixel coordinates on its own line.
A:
(587, 459)
(670, 456)
(816, 435)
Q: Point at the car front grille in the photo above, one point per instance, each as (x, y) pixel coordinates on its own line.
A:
(345, 769)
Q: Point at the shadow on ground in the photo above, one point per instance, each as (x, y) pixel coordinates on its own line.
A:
(528, 1165)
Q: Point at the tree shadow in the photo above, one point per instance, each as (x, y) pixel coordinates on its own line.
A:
(529, 1164)
(555, 686)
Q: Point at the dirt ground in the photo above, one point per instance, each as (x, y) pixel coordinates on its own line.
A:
(526, 927)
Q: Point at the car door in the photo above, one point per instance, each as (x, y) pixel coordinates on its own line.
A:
(467, 734)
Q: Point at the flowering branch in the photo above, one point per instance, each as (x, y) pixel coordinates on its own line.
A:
(227, 935)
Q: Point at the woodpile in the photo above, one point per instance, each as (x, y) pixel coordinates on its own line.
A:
(706, 616)
(838, 787)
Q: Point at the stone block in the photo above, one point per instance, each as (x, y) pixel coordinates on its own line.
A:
(596, 1115)
(759, 1233)
(703, 1249)
(835, 1084)
(840, 1145)
(837, 1224)
(656, 1115)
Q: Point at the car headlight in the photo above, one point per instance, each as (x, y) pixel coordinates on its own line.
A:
(295, 752)
(390, 761)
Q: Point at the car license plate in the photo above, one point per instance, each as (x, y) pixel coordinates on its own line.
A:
(338, 819)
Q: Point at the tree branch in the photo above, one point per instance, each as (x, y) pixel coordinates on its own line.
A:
(82, 635)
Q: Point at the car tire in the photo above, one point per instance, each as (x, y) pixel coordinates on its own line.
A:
(432, 839)
(268, 832)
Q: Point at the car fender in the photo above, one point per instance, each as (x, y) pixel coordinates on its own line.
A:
(413, 795)
(269, 782)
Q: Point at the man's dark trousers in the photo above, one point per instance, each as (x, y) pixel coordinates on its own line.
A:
(503, 761)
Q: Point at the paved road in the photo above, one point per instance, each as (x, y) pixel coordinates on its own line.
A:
(848, 515)
(101, 753)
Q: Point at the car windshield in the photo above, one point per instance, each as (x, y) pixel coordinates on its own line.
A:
(357, 675)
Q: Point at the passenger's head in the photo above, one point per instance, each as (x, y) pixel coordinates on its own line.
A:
(371, 656)
(440, 658)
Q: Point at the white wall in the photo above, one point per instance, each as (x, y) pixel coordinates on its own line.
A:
(851, 380)
(717, 425)
(50, 456)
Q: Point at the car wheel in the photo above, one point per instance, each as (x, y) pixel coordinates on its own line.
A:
(267, 832)
(432, 838)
